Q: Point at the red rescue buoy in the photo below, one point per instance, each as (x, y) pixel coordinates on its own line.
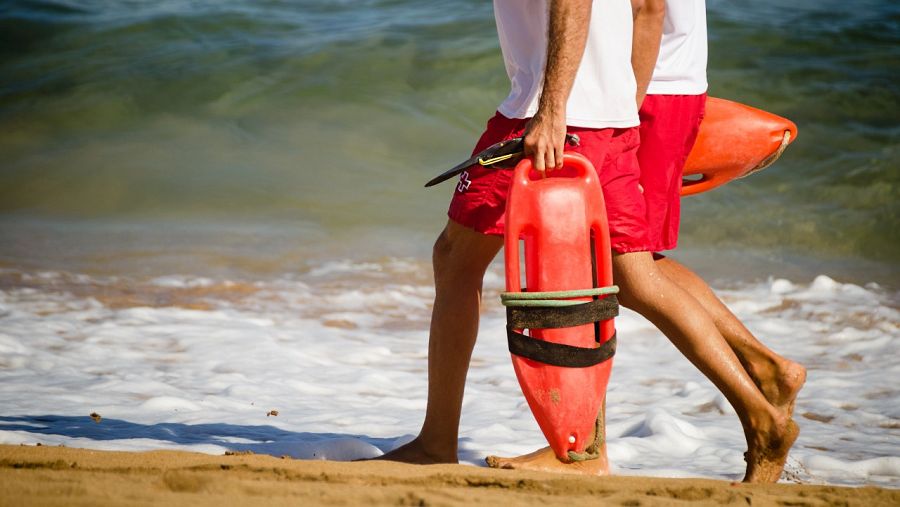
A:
(562, 220)
(734, 141)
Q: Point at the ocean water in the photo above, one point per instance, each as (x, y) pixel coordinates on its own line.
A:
(214, 209)
(335, 114)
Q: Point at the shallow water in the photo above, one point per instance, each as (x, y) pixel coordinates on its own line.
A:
(339, 353)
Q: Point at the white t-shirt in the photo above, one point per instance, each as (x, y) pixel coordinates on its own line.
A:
(681, 66)
(604, 89)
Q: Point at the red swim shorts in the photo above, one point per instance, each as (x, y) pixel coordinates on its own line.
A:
(669, 125)
(479, 200)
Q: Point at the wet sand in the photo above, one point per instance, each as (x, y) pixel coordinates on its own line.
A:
(42, 475)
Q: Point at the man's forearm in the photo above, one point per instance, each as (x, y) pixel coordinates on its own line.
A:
(566, 38)
(648, 25)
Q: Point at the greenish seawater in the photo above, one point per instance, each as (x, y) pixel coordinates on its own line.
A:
(328, 116)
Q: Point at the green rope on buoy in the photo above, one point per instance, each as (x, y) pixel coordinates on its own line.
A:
(592, 451)
(583, 456)
(541, 302)
(553, 298)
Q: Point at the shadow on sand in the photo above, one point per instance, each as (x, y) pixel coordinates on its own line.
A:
(257, 439)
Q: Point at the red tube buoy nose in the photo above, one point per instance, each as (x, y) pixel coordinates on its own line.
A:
(734, 140)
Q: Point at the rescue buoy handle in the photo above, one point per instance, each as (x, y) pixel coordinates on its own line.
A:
(521, 189)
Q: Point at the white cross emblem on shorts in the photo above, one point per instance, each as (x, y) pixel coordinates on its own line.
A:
(463, 182)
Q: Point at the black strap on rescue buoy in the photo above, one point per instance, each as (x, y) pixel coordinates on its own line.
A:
(554, 317)
(559, 309)
(558, 354)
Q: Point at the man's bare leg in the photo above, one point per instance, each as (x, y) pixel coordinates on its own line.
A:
(778, 378)
(461, 257)
(768, 430)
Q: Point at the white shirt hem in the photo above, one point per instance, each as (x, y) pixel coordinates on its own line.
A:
(676, 88)
(590, 123)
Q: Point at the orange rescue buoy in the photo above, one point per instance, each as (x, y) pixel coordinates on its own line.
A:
(734, 141)
(562, 220)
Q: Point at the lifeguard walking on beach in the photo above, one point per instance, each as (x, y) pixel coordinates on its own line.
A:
(670, 113)
(570, 68)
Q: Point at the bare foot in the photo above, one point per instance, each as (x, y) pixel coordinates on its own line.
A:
(544, 460)
(781, 386)
(415, 453)
(790, 380)
(766, 457)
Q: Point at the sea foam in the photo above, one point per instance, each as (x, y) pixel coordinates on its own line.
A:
(332, 365)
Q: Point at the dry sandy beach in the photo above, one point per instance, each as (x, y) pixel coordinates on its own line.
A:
(43, 475)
